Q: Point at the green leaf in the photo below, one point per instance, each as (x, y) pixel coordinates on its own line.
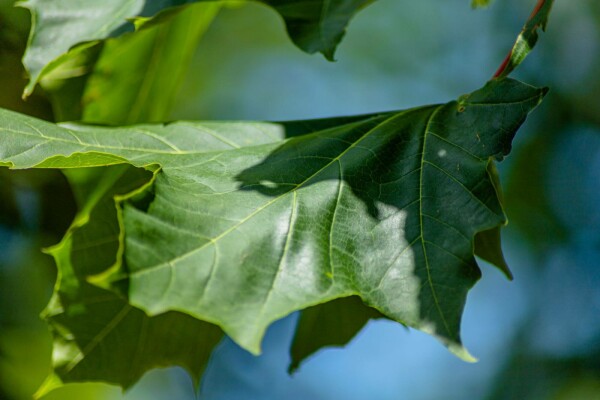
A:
(488, 243)
(97, 335)
(317, 26)
(58, 26)
(331, 324)
(65, 84)
(527, 190)
(137, 76)
(527, 38)
(385, 207)
(488, 247)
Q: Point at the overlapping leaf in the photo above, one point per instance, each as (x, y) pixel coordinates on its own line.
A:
(314, 26)
(384, 207)
(331, 324)
(119, 90)
(98, 336)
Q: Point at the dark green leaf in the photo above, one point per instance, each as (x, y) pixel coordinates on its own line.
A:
(488, 243)
(317, 26)
(527, 190)
(331, 324)
(97, 335)
(538, 376)
(385, 208)
(488, 247)
(14, 26)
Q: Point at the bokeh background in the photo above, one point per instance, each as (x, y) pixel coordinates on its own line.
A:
(537, 337)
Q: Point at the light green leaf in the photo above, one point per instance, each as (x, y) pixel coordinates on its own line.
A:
(384, 207)
(137, 76)
(97, 335)
(132, 78)
(59, 25)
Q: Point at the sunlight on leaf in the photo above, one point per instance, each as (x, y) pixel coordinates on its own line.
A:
(384, 207)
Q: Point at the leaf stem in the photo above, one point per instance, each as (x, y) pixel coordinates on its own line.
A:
(526, 39)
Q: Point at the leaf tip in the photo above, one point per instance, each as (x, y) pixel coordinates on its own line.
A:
(461, 352)
(28, 90)
(544, 90)
(293, 367)
(503, 267)
(329, 54)
(254, 349)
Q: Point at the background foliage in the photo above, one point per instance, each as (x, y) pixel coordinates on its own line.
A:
(541, 192)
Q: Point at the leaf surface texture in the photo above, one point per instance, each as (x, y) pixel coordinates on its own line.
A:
(98, 335)
(240, 228)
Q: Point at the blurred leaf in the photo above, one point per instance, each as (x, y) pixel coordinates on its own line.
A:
(480, 3)
(385, 208)
(29, 200)
(528, 376)
(98, 336)
(14, 24)
(137, 76)
(527, 200)
(331, 324)
(60, 25)
(65, 84)
(23, 353)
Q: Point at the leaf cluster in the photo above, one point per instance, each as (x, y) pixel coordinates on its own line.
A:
(188, 230)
